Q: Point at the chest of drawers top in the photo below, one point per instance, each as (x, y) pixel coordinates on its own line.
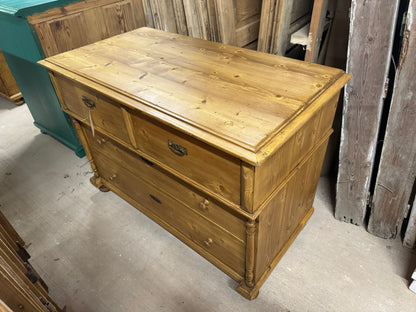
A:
(239, 101)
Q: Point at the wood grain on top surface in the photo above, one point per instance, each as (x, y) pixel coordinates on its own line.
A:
(238, 95)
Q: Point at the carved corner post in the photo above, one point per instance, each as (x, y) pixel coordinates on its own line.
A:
(247, 186)
(96, 178)
(247, 286)
(250, 231)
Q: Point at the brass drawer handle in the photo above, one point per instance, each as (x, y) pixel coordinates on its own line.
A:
(204, 204)
(112, 177)
(208, 242)
(155, 198)
(177, 149)
(101, 141)
(88, 102)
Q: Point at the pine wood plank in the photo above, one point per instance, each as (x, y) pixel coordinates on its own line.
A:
(226, 21)
(316, 30)
(397, 169)
(281, 32)
(370, 44)
(180, 17)
(266, 22)
(197, 19)
(163, 15)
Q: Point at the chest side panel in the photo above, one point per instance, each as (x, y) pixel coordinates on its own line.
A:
(284, 214)
(276, 168)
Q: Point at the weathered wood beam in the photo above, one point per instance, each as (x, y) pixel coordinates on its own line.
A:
(397, 170)
(316, 30)
(372, 25)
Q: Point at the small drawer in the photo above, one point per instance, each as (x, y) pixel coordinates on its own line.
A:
(206, 165)
(219, 243)
(151, 173)
(79, 100)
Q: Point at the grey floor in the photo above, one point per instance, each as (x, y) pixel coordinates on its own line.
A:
(98, 253)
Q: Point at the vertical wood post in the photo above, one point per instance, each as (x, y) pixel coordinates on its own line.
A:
(372, 26)
(95, 179)
(316, 30)
(397, 170)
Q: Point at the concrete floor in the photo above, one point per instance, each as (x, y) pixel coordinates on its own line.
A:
(98, 253)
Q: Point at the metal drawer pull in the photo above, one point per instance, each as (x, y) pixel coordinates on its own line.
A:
(112, 177)
(146, 161)
(155, 199)
(88, 102)
(177, 149)
(204, 204)
(208, 242)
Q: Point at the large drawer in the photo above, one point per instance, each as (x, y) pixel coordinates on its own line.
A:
(208, 166)
(106, 114)
(219, 243)
(205, 206)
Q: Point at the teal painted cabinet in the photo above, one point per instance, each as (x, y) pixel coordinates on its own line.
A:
(21, 48)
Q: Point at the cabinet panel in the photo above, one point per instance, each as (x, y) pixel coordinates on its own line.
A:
(78, 25)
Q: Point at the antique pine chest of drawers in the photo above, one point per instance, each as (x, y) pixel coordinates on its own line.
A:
(220, 145)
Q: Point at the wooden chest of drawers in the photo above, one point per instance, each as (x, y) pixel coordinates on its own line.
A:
(220, 145)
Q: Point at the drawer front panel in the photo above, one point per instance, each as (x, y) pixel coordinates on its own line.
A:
(210, 167)
(222, 245)
(146, 170)
(106, 114)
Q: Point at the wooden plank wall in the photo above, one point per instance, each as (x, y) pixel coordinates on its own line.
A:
(397, 169)
(227, 21)
(372, 25)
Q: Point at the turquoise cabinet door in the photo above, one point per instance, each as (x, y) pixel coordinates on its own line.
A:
(21, 49)
(41, 99)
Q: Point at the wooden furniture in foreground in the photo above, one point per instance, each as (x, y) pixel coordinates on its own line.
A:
(222, 146)
(21, 288)
(8, 86)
